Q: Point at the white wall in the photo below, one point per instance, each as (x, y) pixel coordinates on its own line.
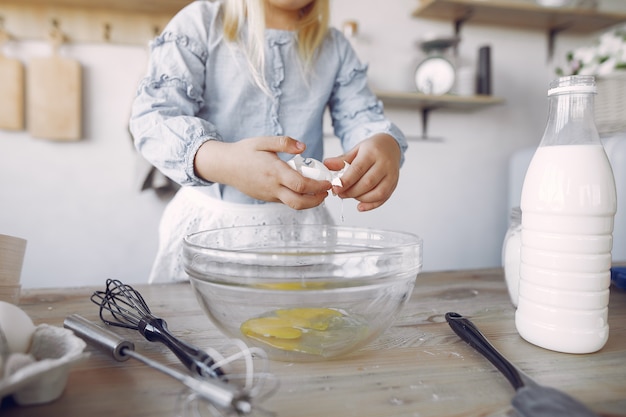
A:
(77, 203)
(80, 208)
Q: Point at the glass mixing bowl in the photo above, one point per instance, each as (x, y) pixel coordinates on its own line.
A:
(302, 292)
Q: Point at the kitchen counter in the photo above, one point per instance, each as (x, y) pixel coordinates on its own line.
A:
(418, 368)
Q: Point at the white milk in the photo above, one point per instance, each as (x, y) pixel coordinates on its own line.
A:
(511, 254)
(568, 204)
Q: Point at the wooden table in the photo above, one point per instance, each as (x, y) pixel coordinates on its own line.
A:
(418, 368)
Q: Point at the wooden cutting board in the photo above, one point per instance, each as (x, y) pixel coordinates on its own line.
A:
(54, 98)
(11, 93)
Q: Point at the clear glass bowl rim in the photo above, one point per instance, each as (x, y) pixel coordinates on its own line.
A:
(407, 240)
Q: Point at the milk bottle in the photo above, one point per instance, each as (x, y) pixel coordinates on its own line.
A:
(568, 204)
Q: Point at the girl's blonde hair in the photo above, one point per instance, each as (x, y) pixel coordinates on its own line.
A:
(311, 31)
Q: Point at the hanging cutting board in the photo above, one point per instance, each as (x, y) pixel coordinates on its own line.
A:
(11, 89)
(54, 97)
(11, 93)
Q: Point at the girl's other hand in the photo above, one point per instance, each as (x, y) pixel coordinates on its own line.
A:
(253, 167)
(373, 173)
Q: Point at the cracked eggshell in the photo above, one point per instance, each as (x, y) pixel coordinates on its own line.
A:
(310, 168)
(314, 169)
(41, 375)
(16, 329)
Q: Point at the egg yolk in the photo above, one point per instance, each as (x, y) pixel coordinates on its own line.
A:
(284, 329)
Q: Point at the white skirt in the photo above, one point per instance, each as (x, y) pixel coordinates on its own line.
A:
(191, 211)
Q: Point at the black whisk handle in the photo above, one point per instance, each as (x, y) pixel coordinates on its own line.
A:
(196, 360)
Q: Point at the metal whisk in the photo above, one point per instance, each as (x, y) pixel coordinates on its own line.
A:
(127, 308)
(226, 397)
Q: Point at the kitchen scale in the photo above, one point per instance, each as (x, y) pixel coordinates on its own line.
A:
(436, 74)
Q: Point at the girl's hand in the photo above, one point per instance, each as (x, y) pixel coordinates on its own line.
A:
(254, 168)
(373, 173)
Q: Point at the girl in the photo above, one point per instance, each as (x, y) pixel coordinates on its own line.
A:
(236, 87)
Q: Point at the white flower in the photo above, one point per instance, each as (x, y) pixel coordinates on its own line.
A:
(609, 44)
(585, 55)
(606, 67)
(607, 55)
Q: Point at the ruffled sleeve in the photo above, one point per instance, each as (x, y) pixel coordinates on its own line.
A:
(356, 112)
(163, 121)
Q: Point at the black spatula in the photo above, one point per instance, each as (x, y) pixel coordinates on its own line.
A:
(531, 399)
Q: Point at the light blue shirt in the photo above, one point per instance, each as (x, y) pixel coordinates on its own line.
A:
(198, 88)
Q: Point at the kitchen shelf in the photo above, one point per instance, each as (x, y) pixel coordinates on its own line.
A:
(450, 101)
(145, 6)
(521, 14)
(426, 103)
(134, 22)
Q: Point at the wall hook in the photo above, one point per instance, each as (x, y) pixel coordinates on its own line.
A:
(56, 36)
(4, 35)
(106, 35)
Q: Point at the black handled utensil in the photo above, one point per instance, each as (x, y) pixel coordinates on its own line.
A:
(531, 399)
(128, 309)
